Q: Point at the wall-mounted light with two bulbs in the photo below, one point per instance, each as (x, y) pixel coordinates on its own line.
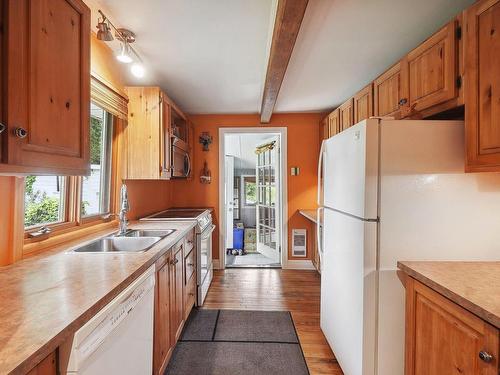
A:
(127, 54)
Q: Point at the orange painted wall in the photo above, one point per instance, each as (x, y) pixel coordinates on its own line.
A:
(303, 149)
(147, 197)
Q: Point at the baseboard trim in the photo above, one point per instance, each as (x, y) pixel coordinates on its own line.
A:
(293, 264)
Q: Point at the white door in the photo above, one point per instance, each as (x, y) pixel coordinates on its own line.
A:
(351, 170)
(268, 200)
(348, 290)
(229, 199)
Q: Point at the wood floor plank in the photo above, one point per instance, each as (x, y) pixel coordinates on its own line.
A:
(275, 289)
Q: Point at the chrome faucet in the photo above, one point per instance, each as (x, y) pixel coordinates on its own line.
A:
(125, 207)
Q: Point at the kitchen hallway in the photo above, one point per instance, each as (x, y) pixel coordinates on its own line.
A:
(296, 291)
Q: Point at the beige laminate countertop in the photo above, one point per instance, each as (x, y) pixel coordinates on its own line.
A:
(310, 214)
(473, 285)
(45, 299)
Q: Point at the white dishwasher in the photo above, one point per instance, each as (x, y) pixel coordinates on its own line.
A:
(119, 338)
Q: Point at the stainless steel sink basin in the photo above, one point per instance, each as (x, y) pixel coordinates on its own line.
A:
(119, 244)
(149, 233)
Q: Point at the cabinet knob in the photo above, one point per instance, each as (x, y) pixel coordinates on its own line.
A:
(175, 261)
(485, 356)
(403, 101)
(20, 132)
(2, 127)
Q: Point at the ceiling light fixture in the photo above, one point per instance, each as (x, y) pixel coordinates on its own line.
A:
(103, 30)
(124, 55)
(126, 38)
(137, 70)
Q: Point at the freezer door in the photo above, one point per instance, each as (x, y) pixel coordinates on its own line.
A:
(351, 170)
(348, 291)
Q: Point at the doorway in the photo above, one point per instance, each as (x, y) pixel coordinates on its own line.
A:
(252, 197)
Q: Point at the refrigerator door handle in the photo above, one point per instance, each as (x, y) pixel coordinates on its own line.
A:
(320, 169)
(319, 224)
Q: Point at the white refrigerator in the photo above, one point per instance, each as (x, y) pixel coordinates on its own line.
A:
(393, 190)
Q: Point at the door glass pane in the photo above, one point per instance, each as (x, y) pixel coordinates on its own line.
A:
(44, 200)
(96, 187)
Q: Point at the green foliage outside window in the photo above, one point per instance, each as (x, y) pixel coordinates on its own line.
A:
(39, 208)
(95, 140)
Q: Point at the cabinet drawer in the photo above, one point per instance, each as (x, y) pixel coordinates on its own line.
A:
(190, 265)
(189, 295)
(189, 241)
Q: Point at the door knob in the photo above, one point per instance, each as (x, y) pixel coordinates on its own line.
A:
(21, 132)
(485, 356)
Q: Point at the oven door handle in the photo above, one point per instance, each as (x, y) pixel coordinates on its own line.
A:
(204, 235)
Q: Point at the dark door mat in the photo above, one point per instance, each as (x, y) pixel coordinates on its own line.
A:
(200, 325)
(234, 358)
(262, 326)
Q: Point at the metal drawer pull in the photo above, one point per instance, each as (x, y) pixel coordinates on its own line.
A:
(21, 132)
(2, 127)
(175, 261)
(485, 356)
(190, 264)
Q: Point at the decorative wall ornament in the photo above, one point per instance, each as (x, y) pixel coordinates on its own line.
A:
(206, 140)
(206, 175)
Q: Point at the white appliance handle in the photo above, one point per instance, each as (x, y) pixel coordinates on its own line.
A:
(319, 224)
(320, 169)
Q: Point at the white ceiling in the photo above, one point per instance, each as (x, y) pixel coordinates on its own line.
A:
(344, 44)
(210, 56)
(242, 147)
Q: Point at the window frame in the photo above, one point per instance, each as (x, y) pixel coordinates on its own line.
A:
(73, 197)
(103, 216)
(244, 190)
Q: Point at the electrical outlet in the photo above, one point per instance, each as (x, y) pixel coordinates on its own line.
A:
(294, 171)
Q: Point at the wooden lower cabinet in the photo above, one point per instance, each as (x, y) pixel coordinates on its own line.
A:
(443, 338)
(162, 343)
(169, 307)
(47, 367)
(177, 291)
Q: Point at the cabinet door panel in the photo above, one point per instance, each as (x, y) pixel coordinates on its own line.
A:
(333, 123)
(387, 93)
(346, 115)
(429, 72)
(443, 338)
(482, 90)
(162, 342)
(363, 104)
(176, 293)
(49, 84)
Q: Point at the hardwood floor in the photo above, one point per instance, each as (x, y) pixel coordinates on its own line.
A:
(276, 289)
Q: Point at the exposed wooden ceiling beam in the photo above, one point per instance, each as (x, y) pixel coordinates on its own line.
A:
(289, 17)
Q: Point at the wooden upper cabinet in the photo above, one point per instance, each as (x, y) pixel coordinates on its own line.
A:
(333, 123)
(482, 86)
(323, 129)
(387, 93)
(148, 134)
(429, 73)
(47, 87)
(346, 114)
(363, 104)
(444, 338)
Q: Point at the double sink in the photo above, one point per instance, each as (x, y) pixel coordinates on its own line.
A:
(132, 241)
